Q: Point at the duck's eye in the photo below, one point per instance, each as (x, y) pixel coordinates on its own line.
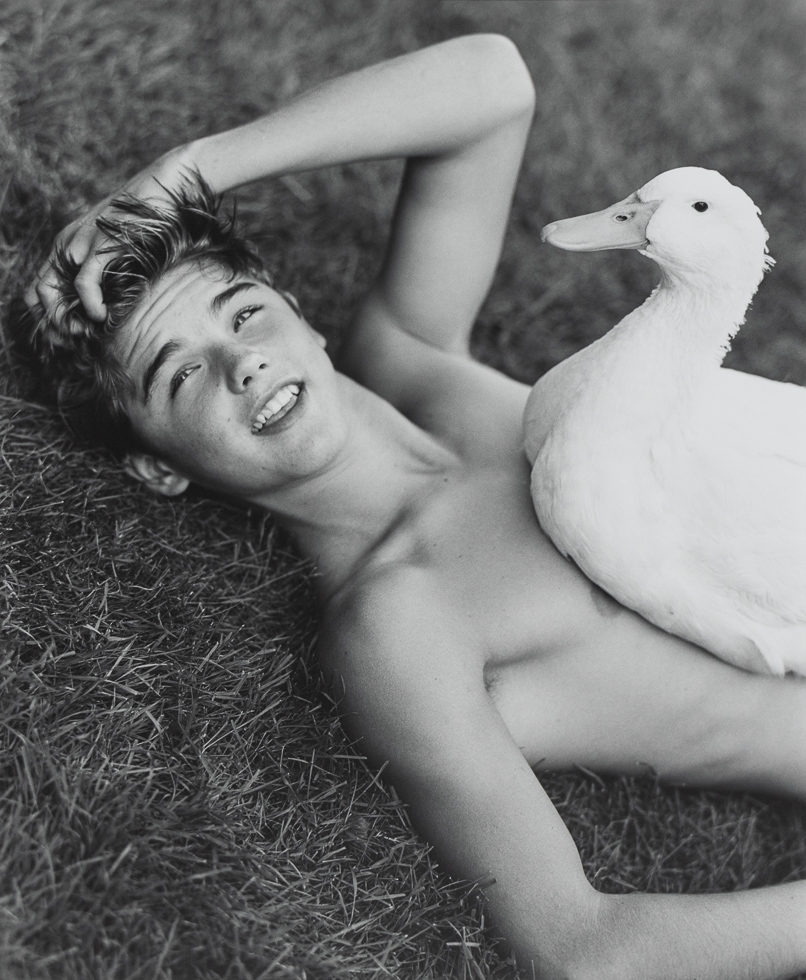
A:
(700, 206)
(621, 217)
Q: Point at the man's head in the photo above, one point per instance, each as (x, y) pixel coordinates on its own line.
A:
(201, 368)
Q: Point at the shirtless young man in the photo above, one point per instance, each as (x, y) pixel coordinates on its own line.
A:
(463, 649)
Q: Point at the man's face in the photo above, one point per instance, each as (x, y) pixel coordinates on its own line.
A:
(232, 388)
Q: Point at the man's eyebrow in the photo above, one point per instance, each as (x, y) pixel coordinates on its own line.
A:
(225, 295)
(172, 346)
(154, 367)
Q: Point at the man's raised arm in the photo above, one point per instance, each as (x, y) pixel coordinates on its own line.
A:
(438, 106)
(417, 702)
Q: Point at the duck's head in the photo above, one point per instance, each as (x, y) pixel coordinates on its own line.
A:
(692, 222)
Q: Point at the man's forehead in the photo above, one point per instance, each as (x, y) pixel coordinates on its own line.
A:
(189, 284)
(178, 297)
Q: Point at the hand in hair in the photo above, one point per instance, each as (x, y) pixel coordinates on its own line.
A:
(90, 249)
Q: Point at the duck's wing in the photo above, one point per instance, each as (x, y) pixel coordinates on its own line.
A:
(748, 500)
(766, 417)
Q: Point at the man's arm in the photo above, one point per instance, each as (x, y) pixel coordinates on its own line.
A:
(458, 110)
(417, 702)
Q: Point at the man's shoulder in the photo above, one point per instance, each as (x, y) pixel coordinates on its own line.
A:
(388, 624)
(381, 608)
(398, 661)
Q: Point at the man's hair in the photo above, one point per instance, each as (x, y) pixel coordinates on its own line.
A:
(73, 352)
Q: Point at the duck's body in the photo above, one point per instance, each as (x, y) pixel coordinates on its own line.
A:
(677, 485)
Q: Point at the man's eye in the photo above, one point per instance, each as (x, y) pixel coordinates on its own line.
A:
(179, 378)
(242, 316)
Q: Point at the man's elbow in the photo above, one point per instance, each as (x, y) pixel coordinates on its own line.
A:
(508, 73)
(569, 964)
(583, 947)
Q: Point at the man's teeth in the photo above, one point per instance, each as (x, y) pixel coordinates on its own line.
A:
(275, 405)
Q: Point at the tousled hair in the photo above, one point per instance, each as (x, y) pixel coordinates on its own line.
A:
(74, 353)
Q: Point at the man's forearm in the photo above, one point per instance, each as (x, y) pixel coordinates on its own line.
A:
(428, 103)
(749, 935)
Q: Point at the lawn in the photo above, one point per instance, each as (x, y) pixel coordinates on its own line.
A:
(177, 799)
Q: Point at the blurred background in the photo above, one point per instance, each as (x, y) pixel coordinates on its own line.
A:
(176, 797)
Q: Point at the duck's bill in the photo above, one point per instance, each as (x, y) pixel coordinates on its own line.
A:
(621, 226)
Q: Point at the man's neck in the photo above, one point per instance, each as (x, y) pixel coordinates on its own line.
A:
(341, 514)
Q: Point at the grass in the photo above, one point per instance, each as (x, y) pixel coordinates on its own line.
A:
(176, 796)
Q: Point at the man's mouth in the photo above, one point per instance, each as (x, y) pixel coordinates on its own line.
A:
(277, 407)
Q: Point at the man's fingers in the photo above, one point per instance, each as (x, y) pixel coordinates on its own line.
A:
(81, 242)
(48, 295)
(88, 285)
(31, 297)
(32, 293)
(88, 282)
(76, 248)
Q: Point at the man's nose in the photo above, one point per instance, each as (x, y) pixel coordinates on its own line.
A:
(244, 368)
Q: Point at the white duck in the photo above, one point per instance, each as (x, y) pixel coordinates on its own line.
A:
(677, 485)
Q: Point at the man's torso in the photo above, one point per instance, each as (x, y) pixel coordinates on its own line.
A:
(577, 678)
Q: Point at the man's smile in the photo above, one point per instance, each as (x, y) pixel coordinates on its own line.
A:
(277, 407)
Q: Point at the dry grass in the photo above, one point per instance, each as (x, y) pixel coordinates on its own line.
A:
(176, 796)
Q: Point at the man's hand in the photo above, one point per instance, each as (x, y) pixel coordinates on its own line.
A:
(91, 249)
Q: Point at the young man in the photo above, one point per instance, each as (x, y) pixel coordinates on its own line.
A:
(462, 648)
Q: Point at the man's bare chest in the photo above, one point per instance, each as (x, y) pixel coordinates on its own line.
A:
(492, 563)
(575, 676)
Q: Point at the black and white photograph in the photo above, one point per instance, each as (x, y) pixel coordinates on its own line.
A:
(402, 490)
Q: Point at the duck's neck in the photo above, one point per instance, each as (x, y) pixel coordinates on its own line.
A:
(658, 364)
(681, 334)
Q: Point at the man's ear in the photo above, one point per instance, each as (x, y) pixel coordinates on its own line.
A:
(156, 474)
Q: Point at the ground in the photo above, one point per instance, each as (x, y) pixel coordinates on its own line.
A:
(176, 796)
